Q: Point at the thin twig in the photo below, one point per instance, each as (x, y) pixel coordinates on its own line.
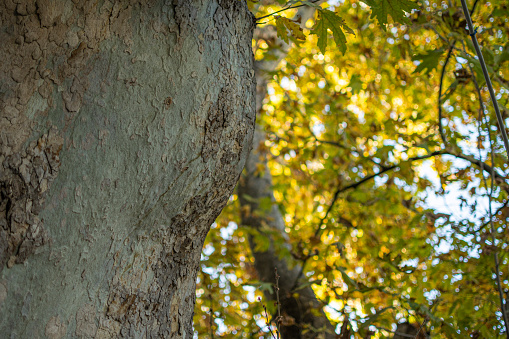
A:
(426, 318)
(211, 318)
(482, 165)
(352, 186)
(504, 205)
(490, 192)
(279, 318)
(333, 143)
(269, 326)
(440, 126)
(282, 10)
(430, 26)
(420, 327)
(473, 7)
(383, 170)
(469, 158)
(500, 120)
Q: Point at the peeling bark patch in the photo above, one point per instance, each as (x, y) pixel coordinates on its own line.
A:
(86, 326)
(185, 17)
(219, 116)
(108, 328)
(136, 309)
(25, 310)
(174, 311)
(45, 45)
(3, 292)
(24, 180)
(55, 328)
(167, 102)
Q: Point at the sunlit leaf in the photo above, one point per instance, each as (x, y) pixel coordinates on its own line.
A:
(330, 20)
(397, 9)
(428, 61)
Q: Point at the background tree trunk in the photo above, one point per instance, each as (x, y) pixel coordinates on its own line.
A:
(124, 127)
(300, 309)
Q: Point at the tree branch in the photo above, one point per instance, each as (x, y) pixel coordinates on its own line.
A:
(479, 163)
(494, 214)
(368, 178)
(440, 127)
(284, 9)
(490, 195)
(500, 120)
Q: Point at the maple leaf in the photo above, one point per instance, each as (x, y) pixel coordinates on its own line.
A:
(330, 20)
(283, 25)
(395, 8)
(282, 33)
(428, 61)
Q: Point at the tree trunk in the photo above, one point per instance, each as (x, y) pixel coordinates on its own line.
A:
(125, 127)
(302, 313)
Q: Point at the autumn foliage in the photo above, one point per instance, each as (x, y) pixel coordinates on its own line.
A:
(388, 169)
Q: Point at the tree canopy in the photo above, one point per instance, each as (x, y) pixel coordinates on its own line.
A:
(388, 169)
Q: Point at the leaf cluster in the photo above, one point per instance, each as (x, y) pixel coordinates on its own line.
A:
(375, 156)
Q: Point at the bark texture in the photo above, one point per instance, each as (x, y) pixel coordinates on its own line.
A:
(125, 126)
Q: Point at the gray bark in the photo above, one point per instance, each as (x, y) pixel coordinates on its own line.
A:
(124, 127)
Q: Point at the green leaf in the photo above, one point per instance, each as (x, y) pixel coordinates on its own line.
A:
(261, 241)
(374, 317)
(355, 83)
(283, 24)
(330, 20)
(504, 56)
(450, 91)
(249, 198)
(295, 29)
(429, 60)
(349, 281)
(311, 4)
(320, 30)
(500, 12)
(265, 204)
(281, 28)
(395, 8)
(262, 286)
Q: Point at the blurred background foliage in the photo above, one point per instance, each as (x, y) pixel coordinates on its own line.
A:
(387, 210)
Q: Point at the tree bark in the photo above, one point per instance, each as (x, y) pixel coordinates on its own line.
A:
(125, 127)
